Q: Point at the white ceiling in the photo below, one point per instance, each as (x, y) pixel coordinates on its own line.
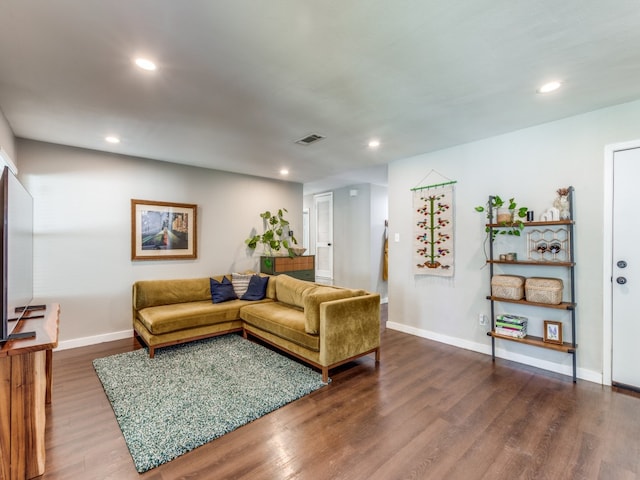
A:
(240, 80)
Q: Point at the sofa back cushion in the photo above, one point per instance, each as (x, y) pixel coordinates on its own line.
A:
(313, 299)
(271, 286)
(291, 290)
(151, 293)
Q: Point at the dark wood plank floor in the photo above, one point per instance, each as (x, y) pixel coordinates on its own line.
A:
(428, 411)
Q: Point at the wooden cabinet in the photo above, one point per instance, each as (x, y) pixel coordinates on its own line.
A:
(25, 380)
(562, 234)
(302, 267)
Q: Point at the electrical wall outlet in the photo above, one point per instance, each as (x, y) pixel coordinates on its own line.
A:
(482, 319)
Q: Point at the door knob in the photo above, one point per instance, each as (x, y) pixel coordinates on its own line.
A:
(621, 280)
(622, 264)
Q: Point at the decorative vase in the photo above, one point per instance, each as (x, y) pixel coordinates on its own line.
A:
(562, 204)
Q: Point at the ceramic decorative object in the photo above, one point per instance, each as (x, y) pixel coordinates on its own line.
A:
(562, 203)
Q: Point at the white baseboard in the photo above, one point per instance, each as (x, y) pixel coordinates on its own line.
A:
(93, 340)
(583, 374)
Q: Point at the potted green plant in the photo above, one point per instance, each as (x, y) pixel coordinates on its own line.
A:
(276, 234)
(503, 224)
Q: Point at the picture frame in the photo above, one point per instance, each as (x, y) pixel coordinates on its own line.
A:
(163, 230)
(552, 332)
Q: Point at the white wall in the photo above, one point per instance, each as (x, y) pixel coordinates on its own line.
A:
(7, 140)
(359, 212)
(529, 164)
(352, 236)
(82, 237)
(379, 213)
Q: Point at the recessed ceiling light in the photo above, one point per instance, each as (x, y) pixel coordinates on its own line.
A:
(284, 171)
(145, 64)
(374, 143)
(549, 87)
(112, 139)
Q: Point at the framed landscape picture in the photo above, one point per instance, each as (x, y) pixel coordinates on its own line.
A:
(163, 231)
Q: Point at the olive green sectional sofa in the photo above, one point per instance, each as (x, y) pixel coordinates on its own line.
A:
(324, 326)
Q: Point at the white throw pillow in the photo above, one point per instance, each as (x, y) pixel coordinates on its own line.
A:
(240, 283)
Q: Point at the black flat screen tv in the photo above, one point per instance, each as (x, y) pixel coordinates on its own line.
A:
(16, 246)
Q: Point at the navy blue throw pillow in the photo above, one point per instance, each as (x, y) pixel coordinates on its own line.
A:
(257, 288)
(222, 291)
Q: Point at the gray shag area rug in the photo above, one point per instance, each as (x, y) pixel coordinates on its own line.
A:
(193, 393)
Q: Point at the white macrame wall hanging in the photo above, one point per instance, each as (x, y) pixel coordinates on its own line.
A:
(433, 213)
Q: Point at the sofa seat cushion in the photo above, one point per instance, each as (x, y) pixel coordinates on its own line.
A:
(182, 316)
(282, 320)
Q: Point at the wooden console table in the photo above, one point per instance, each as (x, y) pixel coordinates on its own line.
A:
(25, 381)
(302, 267)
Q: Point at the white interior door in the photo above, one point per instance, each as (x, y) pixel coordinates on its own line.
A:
(625, 366)
(324, 236)
(305, 229)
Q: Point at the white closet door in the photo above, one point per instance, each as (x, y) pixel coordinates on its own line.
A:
(626, 270)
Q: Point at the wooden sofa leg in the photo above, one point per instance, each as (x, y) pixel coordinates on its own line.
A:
(325, 375)
(378, 355)
(152, 352)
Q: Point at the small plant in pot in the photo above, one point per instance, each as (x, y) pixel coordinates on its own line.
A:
(276, 234)
(508, 216)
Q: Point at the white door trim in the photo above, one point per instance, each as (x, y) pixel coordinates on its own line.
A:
(607, 250)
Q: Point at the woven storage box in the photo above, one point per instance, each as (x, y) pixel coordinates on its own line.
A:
(543, 290)
(510, 287)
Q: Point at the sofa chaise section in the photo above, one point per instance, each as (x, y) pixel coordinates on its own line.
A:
(322, 325)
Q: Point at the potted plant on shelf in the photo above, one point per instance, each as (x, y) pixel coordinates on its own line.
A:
(505, 216)
(276, 235)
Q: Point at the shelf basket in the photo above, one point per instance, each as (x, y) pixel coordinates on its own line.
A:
(543, 290)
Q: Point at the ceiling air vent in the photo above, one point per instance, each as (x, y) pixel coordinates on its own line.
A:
(309, 139)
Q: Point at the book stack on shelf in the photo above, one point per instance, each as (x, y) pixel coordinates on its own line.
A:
(511, 325)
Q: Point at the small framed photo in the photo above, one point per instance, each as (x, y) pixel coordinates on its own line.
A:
(553, 332)
(163, 230)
